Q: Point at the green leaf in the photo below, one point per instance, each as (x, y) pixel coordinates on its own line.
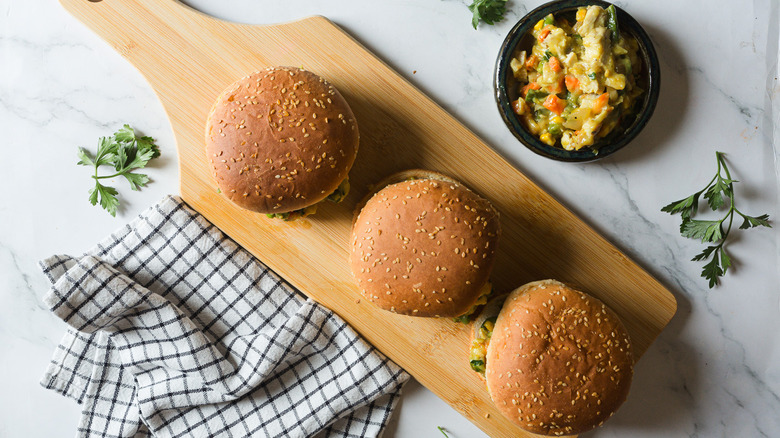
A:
(142, 143)
(140, 159)
(712, 271)
(759, 221)
(684, 224)
(714, 198)
(106, 152)
(108, 199)
(725, 260)
(124, 151)
(717, 191)
(93, 195)
(85, 158)
(126, 134)
(707, 231)
(704, 255)
(136, 180)
(147, 144)
(474, 17)
(686, 207)
(489, 11)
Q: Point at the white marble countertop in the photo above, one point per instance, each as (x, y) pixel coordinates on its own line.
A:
(714, 371)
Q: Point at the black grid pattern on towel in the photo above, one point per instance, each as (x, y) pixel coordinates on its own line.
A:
(177, 331)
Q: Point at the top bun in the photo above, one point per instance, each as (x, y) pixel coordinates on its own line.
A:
(559, 361)
(424, 247)
(280, 140)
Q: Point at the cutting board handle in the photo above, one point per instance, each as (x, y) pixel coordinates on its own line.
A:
(167, 42)
(118, 22)
(121, 14)
(138, 29)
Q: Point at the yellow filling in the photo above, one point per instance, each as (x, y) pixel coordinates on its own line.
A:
(337, 196)
(479, 345)
(484, 294)
(340, 193)
(295, 214)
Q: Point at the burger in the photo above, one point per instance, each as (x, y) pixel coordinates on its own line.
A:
(280, 141)
(556, 360)
(424, 245)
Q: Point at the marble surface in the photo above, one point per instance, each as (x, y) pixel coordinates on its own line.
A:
(715, 370)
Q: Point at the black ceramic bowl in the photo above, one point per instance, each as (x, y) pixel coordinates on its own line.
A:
(506, 89)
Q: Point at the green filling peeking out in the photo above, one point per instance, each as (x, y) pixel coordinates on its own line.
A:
(337, 196)
(466, 318)
(478, 353)
(340, 193)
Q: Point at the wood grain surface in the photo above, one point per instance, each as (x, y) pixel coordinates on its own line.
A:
(189, 58)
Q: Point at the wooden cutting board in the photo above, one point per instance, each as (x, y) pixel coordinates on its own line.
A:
(189, 58)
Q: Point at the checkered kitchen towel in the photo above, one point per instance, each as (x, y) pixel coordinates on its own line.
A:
(176, 331)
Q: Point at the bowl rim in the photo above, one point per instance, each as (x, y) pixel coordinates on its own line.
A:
(513, 38)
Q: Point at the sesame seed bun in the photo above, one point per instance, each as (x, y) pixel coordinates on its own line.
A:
(280, 140)
(404, 175)
(559, 361)
(425, 246)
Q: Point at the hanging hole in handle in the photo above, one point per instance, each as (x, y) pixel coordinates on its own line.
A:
(95, 1)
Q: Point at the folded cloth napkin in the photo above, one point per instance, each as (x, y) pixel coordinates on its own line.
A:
(176, 331)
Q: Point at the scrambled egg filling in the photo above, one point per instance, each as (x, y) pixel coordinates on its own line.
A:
(484, 294)
(337, 196)
(479, 345)
(340, 193)
(295, 214)
(579, 81)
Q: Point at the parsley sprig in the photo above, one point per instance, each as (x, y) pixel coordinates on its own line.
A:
(716, 193)
(124, 151)
(489, 11)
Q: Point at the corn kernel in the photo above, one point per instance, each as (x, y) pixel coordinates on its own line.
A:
(557, 119)
(547, 138)
(581, 14)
